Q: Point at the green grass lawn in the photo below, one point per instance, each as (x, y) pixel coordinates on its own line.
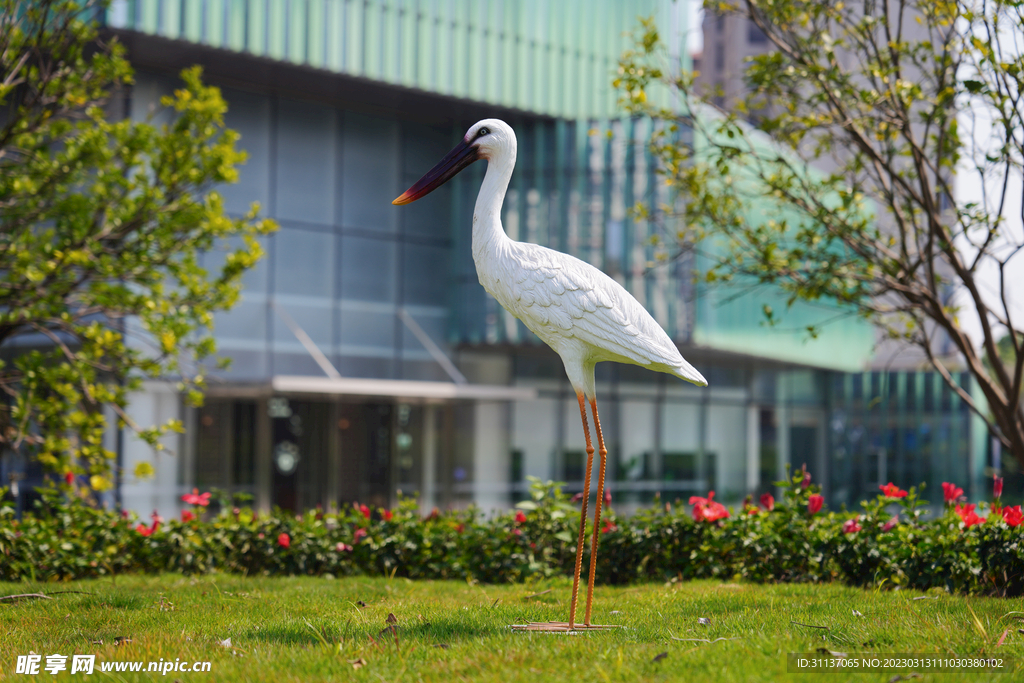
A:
(314, 629)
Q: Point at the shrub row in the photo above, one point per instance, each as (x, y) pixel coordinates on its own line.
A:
(892, 542)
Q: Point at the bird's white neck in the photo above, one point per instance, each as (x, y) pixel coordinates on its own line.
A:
(487, 231)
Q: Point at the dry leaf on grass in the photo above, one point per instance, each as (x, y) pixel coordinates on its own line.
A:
(702, 620)
(357, 663)
(659, 657)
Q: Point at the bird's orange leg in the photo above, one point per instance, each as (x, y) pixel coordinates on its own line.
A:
(597, 511)
(583, 517)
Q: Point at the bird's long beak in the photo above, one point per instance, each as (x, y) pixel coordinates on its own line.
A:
(459, 158)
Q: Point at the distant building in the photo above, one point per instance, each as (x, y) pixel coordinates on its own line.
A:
(341, 105)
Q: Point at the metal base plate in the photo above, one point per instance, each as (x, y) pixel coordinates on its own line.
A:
(561, 627)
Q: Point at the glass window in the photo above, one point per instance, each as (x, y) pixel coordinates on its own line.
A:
(249, 115)
(370, 173)
(305, 162)
(425, 275)
(534, 433)
(368, 269)
(304, 263)
(367, 332)
(247, 322)
(727, 439)
(422, 147)
(315, 320)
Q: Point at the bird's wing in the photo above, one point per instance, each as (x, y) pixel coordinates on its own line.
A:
(567, 297)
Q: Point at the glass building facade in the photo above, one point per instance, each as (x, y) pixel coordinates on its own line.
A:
(367, 359)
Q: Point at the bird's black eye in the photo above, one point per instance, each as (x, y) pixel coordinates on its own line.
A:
(482, 132)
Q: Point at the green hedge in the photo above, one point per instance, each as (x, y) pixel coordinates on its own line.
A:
(65, 538)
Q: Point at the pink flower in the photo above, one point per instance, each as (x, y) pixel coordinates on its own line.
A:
(1013, 515)
(807, 480)
(890, 524)
(517, 532)
(850, 526)
(890, 490)
(706, 509)
(520, 516)
(260, 535)
(365, 510)
(768, 501)
(577, 498)
(814, 503)
(343, 547)
(951, 492)
(360, 533)
(144, 530)
(157, 519)
(968, 516)
(187, 516)
(124, 514)
(387, 515)
(607, 497)
(196, 498)
(284, 541)
(997, 487)
(69, 477)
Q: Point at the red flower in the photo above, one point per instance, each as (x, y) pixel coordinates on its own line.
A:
(69, 477)
(890, 490)
(768, 501)
(607, 497)
(850, 526)
(284, 541)
(157, 519)
(1013, 515)
(520, 516)
(608, 526)
(144, 530)
(196, 498)
(124, 514)
(753, 510)
(365, 510)
(968, 516)
(517, 532)
(951, 492)
(577, 498)
(997, 487)
(459, 528)
(807, 480)
(890, 524)
(706, 509)
(360, 533)
(387, 514)
(187, 516)
(815, 502)
(343, 547)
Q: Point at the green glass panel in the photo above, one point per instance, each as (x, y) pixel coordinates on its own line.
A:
(193, 21)
(277, 26)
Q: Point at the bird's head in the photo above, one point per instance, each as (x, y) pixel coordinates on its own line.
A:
(487, 139)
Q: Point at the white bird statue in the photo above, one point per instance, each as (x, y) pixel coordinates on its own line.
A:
(576, 309)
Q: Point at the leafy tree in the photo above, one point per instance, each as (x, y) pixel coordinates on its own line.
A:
(102, 223)
(831, 177)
